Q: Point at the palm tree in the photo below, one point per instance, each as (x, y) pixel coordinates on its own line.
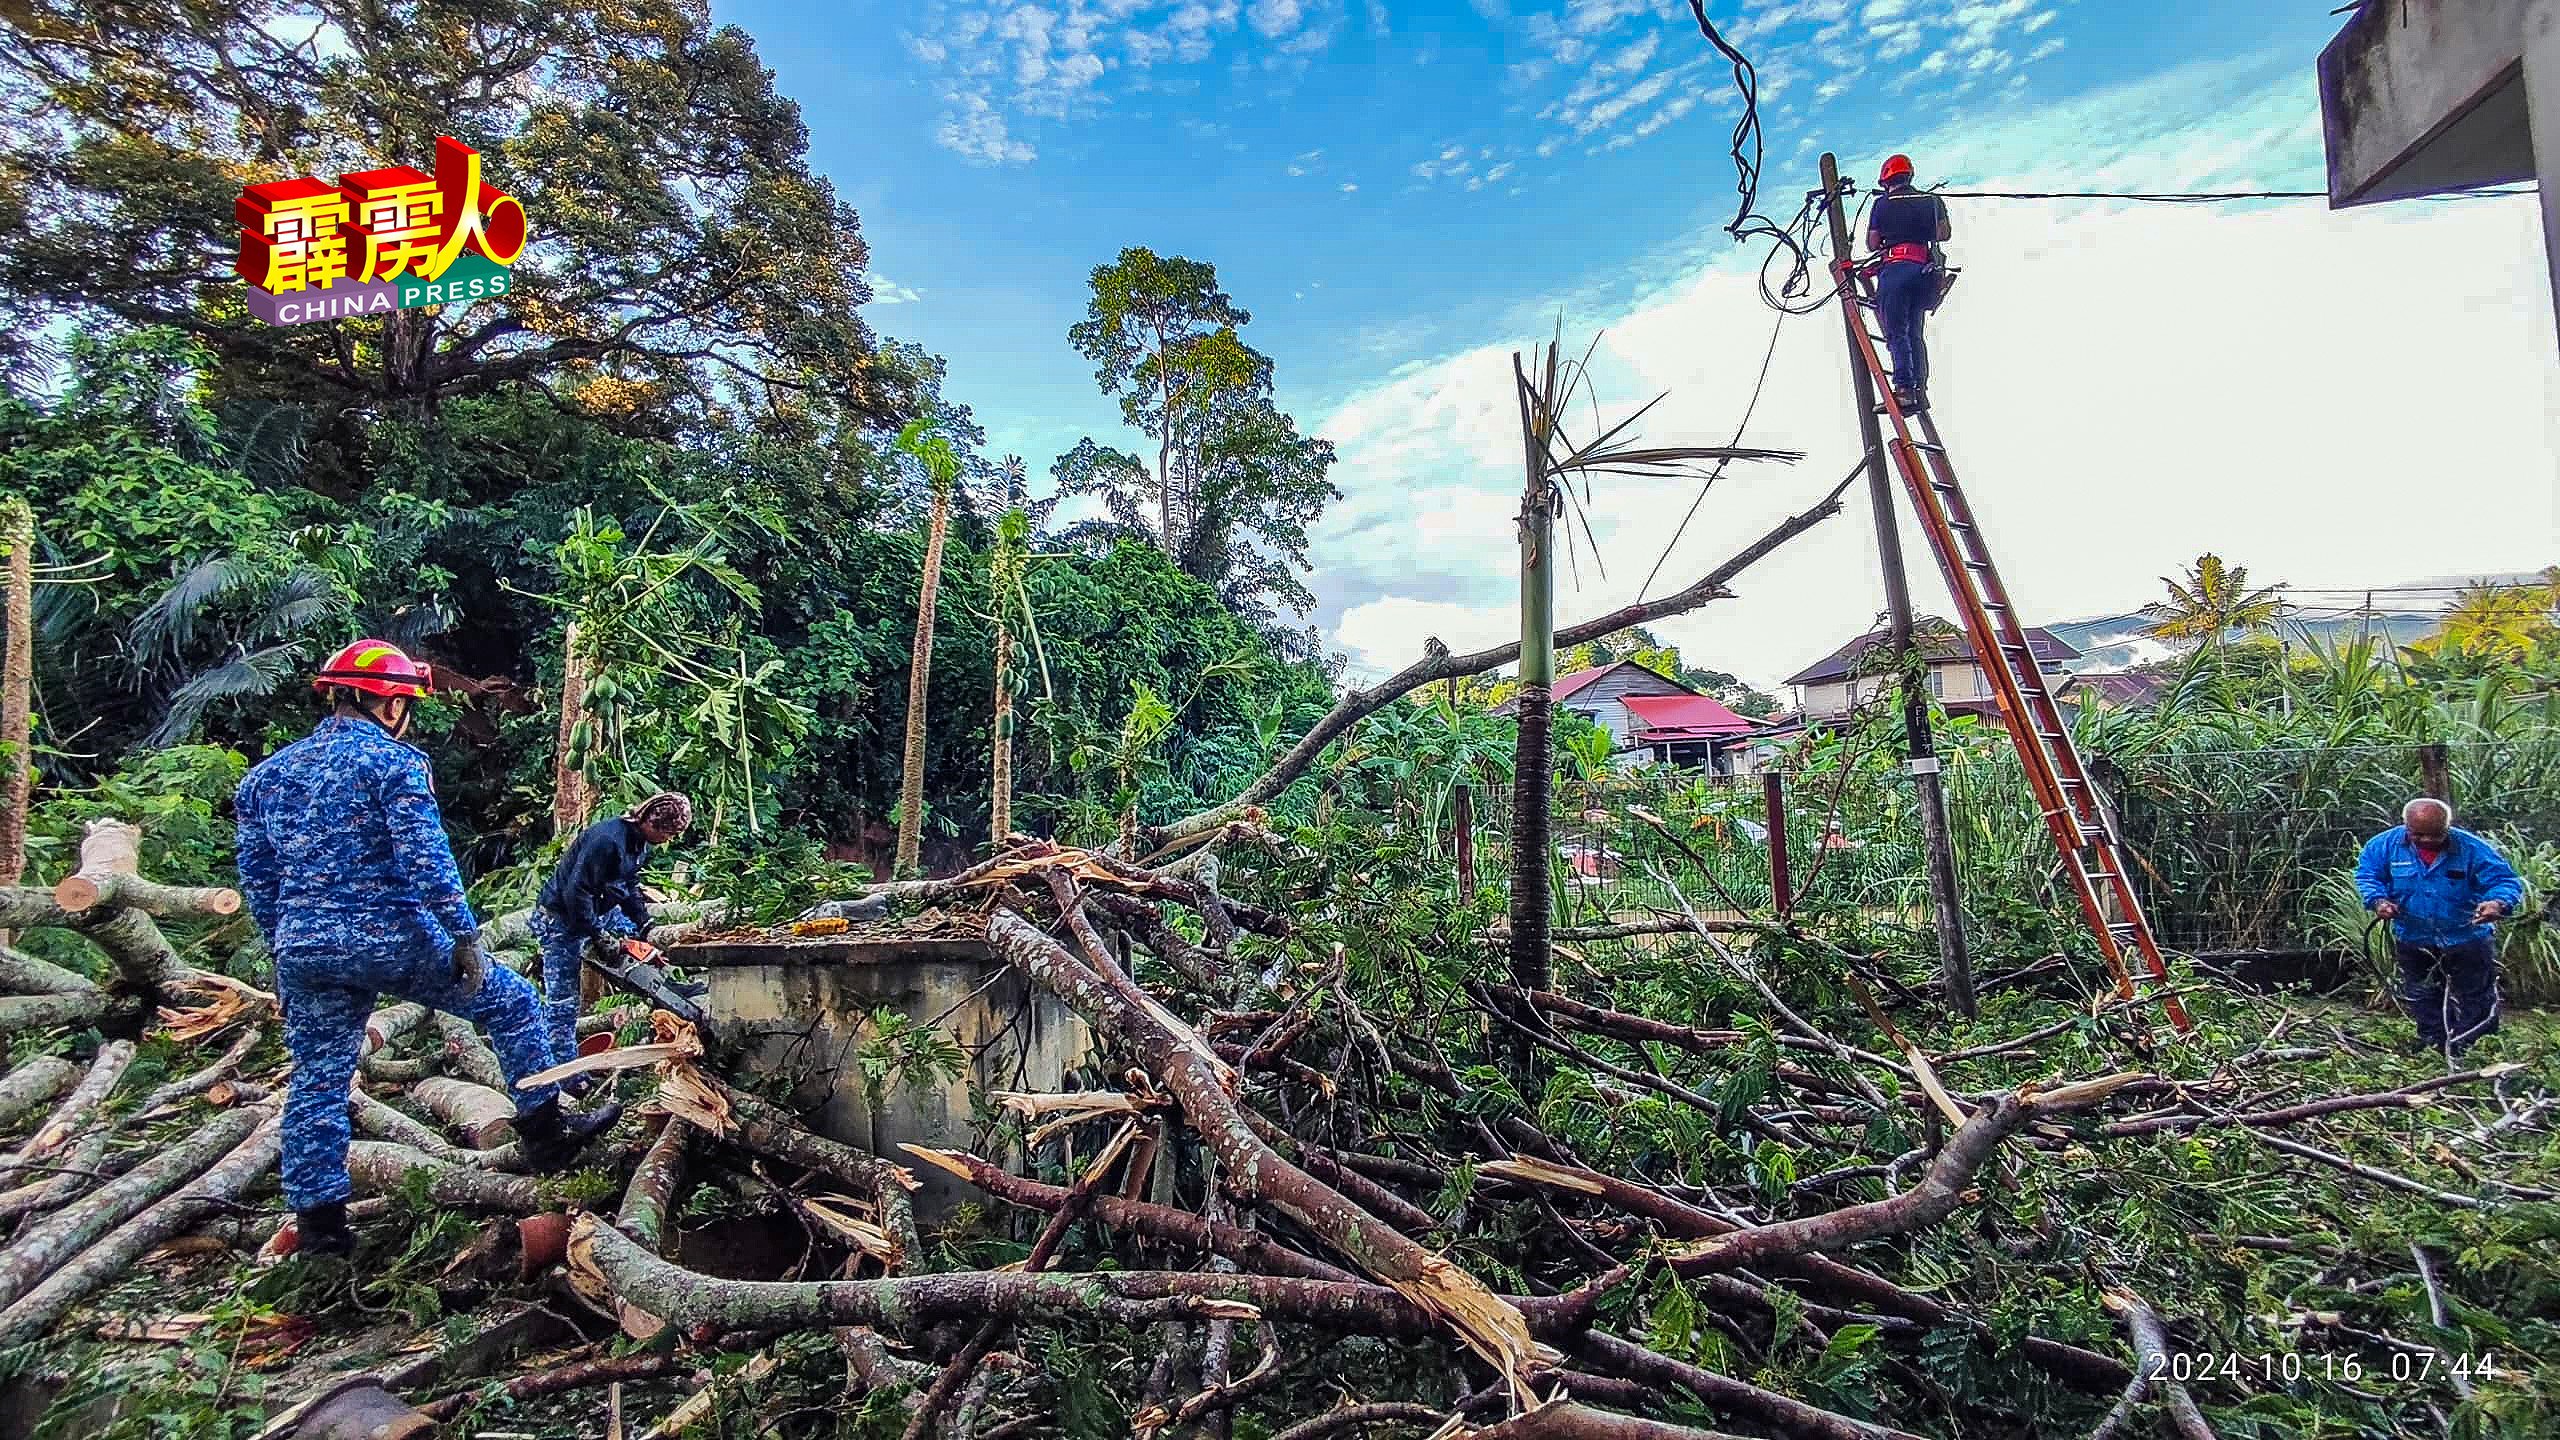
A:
(934, 453)
(1008, 573)
(2211, 601)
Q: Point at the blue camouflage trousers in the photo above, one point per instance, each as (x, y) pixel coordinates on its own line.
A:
(326, 998)
(563, 960)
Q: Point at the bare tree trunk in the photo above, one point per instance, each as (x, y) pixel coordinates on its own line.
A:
(570, 799)
(1000, 788)
(46, 1246)
(919, 674)
(1533, 758)
(17, 685)
(112, 1258)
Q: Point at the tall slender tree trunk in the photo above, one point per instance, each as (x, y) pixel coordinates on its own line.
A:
(1533, 761)
(571, 798)
(17, 688)
(1164, 451)
(1000, 788)
(919, 675)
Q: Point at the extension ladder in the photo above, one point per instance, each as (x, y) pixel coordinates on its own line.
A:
(2084, 831)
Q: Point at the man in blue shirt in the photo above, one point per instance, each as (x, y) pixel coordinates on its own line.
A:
(2442, 890)
(347, 871)
(594, 895)
(1904, 227)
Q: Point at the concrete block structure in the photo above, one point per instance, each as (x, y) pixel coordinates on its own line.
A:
(2422, 97)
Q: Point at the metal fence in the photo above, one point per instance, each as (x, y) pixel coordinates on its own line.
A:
(2244, 851)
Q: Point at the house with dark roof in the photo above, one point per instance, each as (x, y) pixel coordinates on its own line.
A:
(1653, 718)
(1855, 674)
(2115, 689)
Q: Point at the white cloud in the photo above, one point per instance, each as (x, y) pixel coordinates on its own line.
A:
(1349, 188)
(1589, 17)
(977, 133)
(1884, 10)
(1277, 18)
(1606, 113)
(885, 291)
(2217, 326)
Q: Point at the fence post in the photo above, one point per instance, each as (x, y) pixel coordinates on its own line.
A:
(1773, 795)
(2433, 779)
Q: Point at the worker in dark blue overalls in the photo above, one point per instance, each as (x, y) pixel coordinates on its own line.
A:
(1904, 226)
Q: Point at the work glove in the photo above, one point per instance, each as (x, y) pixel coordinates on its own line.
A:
(470, 964)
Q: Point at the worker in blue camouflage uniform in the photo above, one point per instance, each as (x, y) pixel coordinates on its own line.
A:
(2442, 890)
(594, 896)
(346, 868)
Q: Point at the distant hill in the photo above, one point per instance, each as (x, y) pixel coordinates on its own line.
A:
(2119, 642)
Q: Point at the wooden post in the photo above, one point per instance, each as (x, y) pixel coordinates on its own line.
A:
(1773, 799)
(2435, 779)
(1954, 961)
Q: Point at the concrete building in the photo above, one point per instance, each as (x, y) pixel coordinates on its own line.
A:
(1652, 718)
(2420, 97)
(1854, 675)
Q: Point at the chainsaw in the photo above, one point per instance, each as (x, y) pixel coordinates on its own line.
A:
(641, 968)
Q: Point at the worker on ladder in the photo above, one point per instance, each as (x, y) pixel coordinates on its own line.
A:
(1904, 228)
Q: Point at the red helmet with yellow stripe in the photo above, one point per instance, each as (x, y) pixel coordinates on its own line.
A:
(375, 667)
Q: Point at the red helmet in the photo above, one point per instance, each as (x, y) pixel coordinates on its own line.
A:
(376, 667)
(1898, 167)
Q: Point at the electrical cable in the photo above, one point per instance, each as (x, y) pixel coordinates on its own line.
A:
(1718, 473)
(2210, 197)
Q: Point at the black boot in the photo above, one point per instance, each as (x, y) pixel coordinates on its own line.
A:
(550, 1138)
(322, 1231)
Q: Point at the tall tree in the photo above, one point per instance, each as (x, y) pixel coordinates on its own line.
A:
(1153, 332)
(943, 467)
(1009, 594)
(1234, 486)
(2212, 601)
(683, 254)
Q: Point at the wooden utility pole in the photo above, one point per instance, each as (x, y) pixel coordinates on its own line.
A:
(1954, 960)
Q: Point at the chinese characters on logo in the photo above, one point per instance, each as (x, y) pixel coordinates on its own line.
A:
(379, 240)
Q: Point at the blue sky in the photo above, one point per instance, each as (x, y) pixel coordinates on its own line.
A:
(1401, 194)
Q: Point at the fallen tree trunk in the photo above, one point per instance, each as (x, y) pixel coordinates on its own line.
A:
(50, 1242)
(1249, 1168)
(1566, 1420)
(24, 974)
(886, 1184)
(19, 1013)
(469, 1056)
(1252, 1249)
(67, 1118)
(383, 1168)
(1360, 704)
(646, 1202)
(1726, 1394)
(584, 1375)
(30, 1086)
(385, 1122)
(112, 1258)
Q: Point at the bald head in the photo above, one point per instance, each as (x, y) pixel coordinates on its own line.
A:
(2427, 818)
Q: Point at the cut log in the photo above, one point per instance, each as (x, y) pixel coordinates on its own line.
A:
(50, 1242)
(31, 1086)
(17, 686)
(477, 1112)
(112, 1258)
(386, 1122)
(70, 1174)
(73, 1112)
(110, 853)
(383, 1168)
(1565, 1420)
